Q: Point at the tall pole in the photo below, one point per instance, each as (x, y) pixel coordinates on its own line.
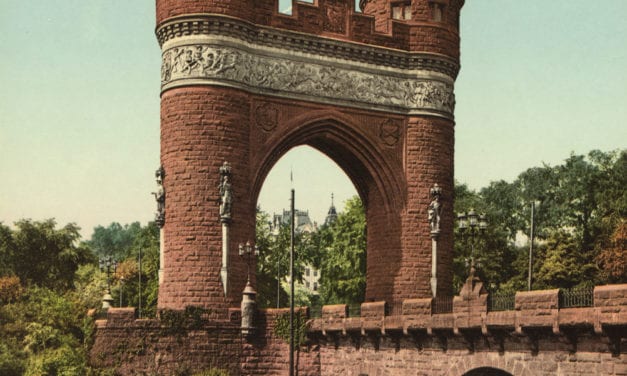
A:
(121, 289)
(278, 282)
(292, 286)
(533, 207)
(140, 282)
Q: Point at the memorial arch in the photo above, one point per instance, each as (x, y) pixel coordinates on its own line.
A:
(243, 89)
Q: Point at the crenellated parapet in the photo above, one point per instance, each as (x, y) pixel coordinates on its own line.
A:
(535, 317)
(336, 19)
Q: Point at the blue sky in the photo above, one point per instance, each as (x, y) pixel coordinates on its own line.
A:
(79, 104)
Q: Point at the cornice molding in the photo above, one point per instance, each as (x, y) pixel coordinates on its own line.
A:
(198, 25)
(222, 51)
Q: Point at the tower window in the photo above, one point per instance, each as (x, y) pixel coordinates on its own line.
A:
(401, 10)
(437, 10)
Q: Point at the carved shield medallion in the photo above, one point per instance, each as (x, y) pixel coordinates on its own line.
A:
(335, 20)
(266, 116)
(390, 132)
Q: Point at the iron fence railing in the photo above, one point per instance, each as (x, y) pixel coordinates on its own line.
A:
(501, 301)
(497, 301)
(576, 297)
(442, 304)
(354, 310)
(315, 312)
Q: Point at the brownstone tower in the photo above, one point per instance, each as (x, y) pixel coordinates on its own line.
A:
(243, 83)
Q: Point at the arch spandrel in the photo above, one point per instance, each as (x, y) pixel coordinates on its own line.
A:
(347, 144)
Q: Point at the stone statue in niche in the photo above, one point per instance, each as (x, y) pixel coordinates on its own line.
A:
(435, 208)
(226, 194)
(160, 197)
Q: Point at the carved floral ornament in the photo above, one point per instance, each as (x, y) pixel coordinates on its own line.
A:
(315, 81)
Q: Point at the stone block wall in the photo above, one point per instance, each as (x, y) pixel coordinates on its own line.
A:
(536, 338)
(575, 341)
(133, 346)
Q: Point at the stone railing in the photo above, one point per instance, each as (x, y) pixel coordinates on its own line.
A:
(532, 310)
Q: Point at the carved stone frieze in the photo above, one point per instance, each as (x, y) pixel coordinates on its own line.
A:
(316, 80)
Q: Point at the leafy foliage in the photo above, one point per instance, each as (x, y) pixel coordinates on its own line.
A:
(282, 327)
(338, 250)
(44, 333)
(274, 260)
(127, 243)
(40, 254)
(342, 256)
(48, 281)
(580, 208)
(115, 240)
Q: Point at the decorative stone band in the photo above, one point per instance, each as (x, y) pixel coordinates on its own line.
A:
(228, 62)
(267, 37)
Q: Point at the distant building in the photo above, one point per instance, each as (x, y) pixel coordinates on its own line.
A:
(303, 223)
(331, 214)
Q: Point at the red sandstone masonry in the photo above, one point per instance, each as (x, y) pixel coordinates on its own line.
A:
(362, 345)
(192, 118)
(204, 126)
(417, 35)
(201, 128)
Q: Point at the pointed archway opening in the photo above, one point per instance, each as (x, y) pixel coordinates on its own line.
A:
(487, 371)
(330, 226)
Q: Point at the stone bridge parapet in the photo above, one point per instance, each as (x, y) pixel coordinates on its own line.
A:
(536, 314)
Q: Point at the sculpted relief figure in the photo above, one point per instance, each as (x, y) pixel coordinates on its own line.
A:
(226, 194)
(160, 198)
(435, 209)
(226, 198)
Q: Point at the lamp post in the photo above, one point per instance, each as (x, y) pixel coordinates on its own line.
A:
(275, 236)
(121, 289)
(474, 224)
(248, 251)
(106, 265)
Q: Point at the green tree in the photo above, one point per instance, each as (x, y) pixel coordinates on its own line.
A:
(115, 240)
(563, 264)
(45, 334)
(274, 259)
(43, 255)
(7, 251)
(494, 250)
(271, 257)
(342, 256)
